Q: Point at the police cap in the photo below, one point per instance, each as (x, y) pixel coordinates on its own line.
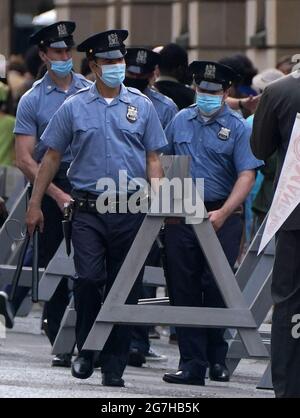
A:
(58, 35)
(108, 45)
(141, 60)
(212, 76)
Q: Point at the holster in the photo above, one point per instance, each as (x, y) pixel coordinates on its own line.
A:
(67, 225)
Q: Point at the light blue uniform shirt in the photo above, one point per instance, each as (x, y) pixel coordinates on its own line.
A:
(102, 138)
(218, 161)
(164, 106)
(38, 105)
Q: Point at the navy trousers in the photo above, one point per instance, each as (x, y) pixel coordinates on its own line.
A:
(191, 283)
(285, 347)
(101, 243)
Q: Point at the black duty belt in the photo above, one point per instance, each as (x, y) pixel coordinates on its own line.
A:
(87, 202)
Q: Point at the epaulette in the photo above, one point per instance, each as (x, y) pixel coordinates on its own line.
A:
(161, 97)
(137, 92)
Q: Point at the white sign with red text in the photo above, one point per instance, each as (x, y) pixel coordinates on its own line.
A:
(287, 194)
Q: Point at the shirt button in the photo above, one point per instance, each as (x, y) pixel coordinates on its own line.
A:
(49, 87)
(108, 156)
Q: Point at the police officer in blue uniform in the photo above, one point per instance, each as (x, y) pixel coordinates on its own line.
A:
(140, 66)
(34, 112)
(109, 128)
(217, 140)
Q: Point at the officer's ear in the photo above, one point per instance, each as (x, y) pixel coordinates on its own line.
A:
(43, 54)
(93, 65)
(226, 93)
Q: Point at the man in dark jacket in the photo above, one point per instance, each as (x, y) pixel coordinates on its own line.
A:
(273, 124)
(173, 69)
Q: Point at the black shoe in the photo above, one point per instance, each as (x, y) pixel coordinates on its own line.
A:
(219, 373)
(6, 311)
(111, 379)
(62, 360)
(136, 358)
(82, 367)
(183, 378)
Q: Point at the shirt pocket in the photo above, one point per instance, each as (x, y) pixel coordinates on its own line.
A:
(219, 146)
(182, 141)
(135, 128)
(85, 124)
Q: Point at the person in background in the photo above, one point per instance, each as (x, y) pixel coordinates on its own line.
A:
(242, 87)
(285, 64)
(140, 67)
(261, 195)
(173, 76)
(264, 187)
(7, 123)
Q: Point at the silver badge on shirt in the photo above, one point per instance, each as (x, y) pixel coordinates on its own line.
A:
(132, 113)
(224, 134)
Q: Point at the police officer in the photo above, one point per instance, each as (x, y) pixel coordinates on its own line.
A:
(109, 128)
(140, 67)
(217, 140)
(34, 112)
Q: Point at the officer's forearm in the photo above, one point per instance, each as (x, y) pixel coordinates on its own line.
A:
(239, 192)
(45, 174)
(154, 169)
(29, 168)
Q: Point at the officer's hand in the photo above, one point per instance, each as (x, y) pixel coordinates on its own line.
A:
(217, 218)
(61, 199)
(250, 103)
(34, 218)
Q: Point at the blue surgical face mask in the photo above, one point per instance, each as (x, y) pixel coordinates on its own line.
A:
(209, 104)
(62, 68)
(113, 75)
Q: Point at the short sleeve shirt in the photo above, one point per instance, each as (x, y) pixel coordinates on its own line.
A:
(38, 105)
(105, 138)
(219, 148)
